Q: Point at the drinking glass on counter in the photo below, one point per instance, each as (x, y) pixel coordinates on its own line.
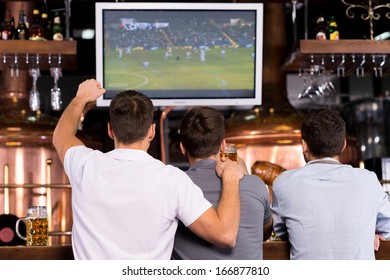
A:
(36, 226)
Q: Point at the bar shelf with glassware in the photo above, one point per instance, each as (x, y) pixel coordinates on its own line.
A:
(48, 52)
(351, 55)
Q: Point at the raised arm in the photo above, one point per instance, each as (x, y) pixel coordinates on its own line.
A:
(220, 226)
(64, 135)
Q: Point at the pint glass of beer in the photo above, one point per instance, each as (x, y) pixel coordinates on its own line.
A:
(36, 226)
(230, 151)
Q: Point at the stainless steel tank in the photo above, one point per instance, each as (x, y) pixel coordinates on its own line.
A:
(367, 118)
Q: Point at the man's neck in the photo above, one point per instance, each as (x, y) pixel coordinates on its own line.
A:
(192, 160)
(311, 158)
(140, 145)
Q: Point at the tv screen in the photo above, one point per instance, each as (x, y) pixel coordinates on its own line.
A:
(181, 54)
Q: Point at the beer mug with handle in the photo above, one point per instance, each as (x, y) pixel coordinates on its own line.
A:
(36, 226)
(230, 152)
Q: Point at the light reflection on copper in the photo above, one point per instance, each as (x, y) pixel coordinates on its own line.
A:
(42, 169)
(63, 222)
(284, 142)
(6, 190)
(19, 166)
(49, 202)
(19, 178)
(13, 143)
(287, 156)
(20, 211)
(42, 198)
(283, 127)
(14, 129)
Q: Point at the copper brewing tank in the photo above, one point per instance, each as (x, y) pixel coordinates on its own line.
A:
(271, 132)
(32, 173)
(30, 170)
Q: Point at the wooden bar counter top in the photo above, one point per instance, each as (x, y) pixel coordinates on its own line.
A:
(280, 250)
(52, 252)
(273, 250)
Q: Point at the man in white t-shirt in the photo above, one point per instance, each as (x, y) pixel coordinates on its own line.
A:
(126, 204)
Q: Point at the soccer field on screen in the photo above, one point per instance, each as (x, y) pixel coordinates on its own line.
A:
(155, 70)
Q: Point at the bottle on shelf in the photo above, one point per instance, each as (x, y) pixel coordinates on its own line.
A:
(36, 29)
(21, 29)
(13, 28)
(57, 28)
(2, 28)
(8, 30)
(26, 21)
(47, 26)
(333, 31)
(320, 29)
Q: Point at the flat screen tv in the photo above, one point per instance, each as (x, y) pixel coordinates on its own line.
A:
(181, 54)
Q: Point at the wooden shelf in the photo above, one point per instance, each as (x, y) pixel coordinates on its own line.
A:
(38, 47)
(344, 47)
(368, 54)
(27, 50)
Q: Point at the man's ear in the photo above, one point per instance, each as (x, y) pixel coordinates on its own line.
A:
(305, 148)
(109, 131)
(345, 145)
(223, 146)
(182, 149)
(152, 132)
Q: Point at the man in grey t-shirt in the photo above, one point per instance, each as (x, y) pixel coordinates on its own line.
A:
(202, 134)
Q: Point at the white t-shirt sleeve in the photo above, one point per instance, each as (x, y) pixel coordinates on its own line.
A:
(75, 158)
(191, 201)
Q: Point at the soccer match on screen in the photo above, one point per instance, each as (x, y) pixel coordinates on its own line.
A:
(159, 50)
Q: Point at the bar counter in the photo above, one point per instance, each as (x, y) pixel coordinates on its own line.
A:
(280, 250)
(52, 252)
(273, 250)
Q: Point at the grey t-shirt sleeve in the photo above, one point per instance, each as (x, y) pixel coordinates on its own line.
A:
(260, 193)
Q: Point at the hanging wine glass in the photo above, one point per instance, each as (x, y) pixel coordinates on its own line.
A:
(314, 89)
(14, 70)
(328, 87)
(55, 92)
(34, 98)
(303, 74)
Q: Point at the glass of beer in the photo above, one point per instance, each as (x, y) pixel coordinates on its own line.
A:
(230, 151)
(36, 226)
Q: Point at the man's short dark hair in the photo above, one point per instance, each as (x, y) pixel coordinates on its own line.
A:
(324, 132)
(202, 131)
(131, 115)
